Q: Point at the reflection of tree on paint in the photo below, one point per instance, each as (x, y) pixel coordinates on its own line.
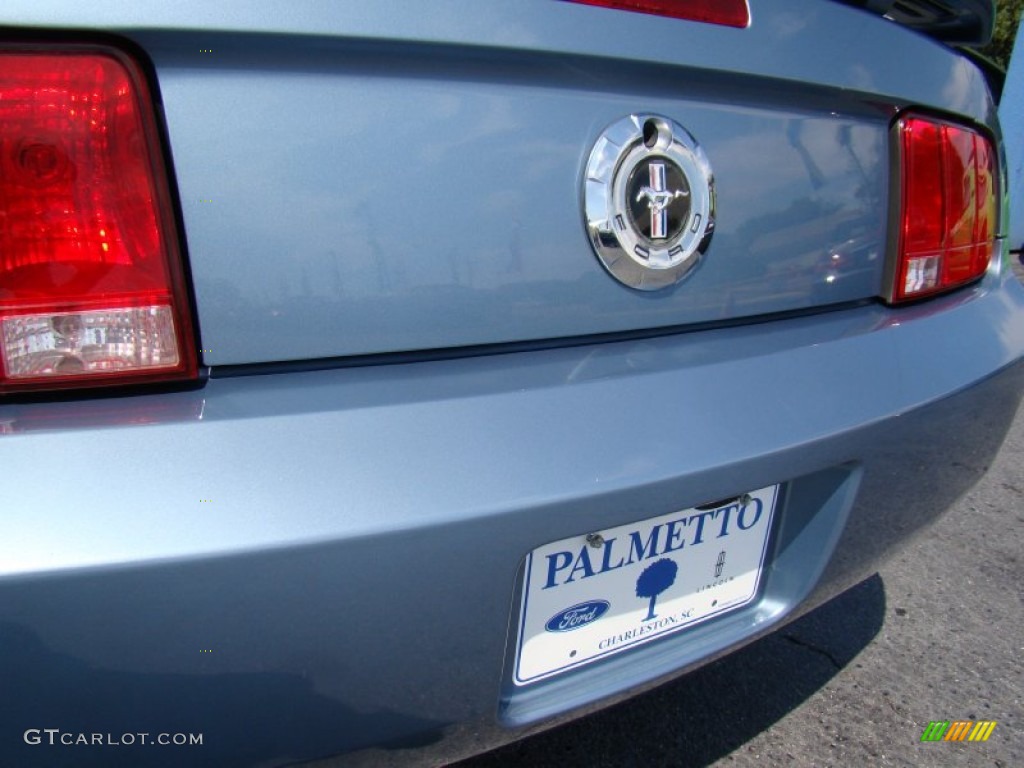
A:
(655, 579)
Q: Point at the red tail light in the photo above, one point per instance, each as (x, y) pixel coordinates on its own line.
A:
(947, 198)
(91, 284)
(730, 13)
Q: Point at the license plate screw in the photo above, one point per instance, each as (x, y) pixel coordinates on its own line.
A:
(596, 540)
(745, 499)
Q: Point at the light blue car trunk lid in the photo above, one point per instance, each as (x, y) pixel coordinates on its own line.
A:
(356, 182)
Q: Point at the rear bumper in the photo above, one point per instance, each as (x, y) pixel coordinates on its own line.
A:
(302, 564)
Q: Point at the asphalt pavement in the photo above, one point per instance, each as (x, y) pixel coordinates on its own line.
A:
(936, 635)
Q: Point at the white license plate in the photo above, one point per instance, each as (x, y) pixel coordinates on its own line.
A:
(585, 600)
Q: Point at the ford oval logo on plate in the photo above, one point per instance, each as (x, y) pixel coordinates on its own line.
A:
(577, 616)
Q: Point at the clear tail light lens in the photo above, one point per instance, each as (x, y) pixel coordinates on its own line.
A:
(729, 13)
(92, 290)
(947, 207)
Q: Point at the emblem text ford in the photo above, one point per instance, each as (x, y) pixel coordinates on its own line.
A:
(577, 616)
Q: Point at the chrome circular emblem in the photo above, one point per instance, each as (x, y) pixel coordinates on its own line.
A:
(649, 201)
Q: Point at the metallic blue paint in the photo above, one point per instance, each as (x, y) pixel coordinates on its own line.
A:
(1011, 113)
(302, 124)
(367, 524)
(337, 537)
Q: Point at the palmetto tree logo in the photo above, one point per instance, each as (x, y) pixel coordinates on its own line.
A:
(655, 579)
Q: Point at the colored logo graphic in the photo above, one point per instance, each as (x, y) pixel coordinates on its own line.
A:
(577, 616)
(655, 579)
(958, 730)
(655, 199)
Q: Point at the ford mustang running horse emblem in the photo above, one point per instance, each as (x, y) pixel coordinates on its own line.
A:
(658, 199)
